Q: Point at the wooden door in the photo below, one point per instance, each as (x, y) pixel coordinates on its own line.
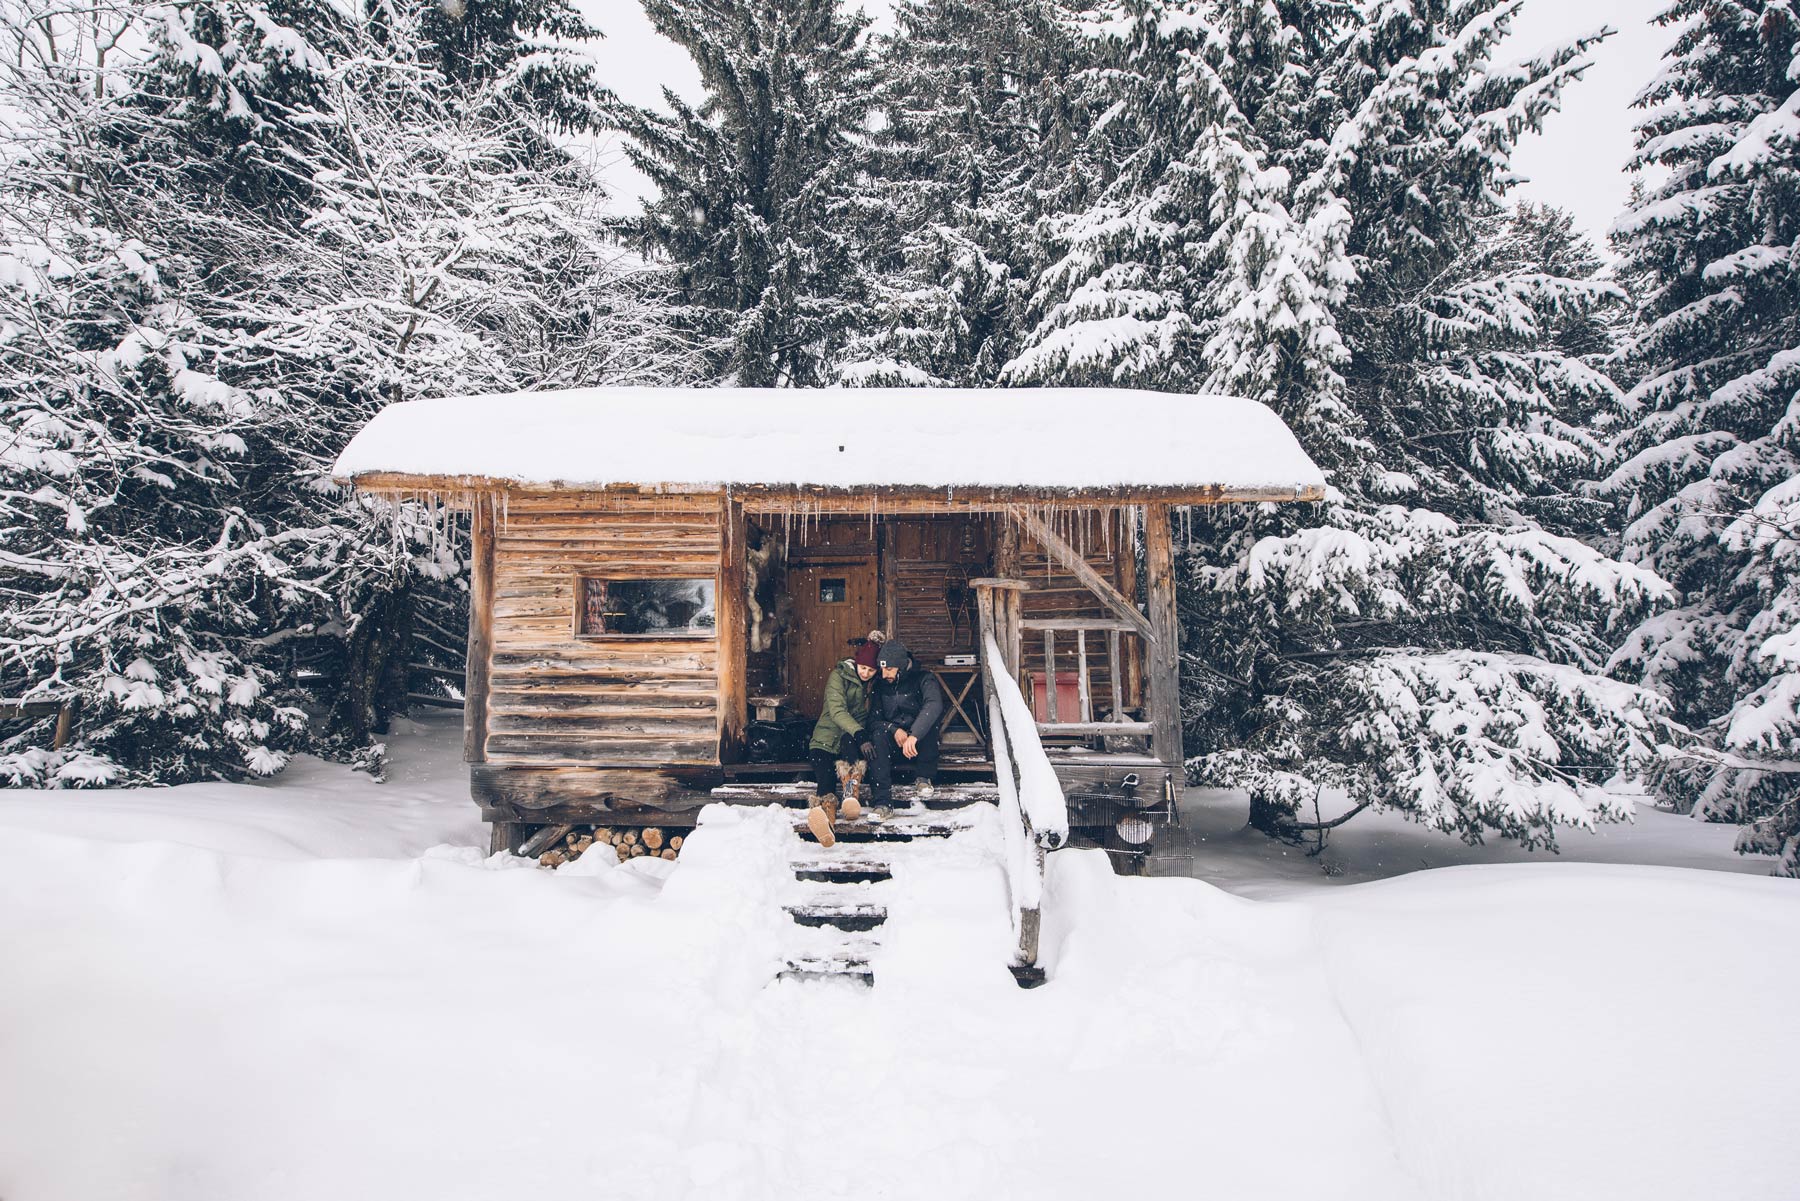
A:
(831, 605)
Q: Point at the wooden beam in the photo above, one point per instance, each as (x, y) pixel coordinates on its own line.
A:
(1084, 697)
(1076, 623)
(731, 605)
(478, 664)
(1072, 561)
(1164, 674)
(1131, 693)
(1095, 727)
(457, 490)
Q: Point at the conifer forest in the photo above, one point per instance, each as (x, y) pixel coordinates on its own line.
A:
(1557, 565)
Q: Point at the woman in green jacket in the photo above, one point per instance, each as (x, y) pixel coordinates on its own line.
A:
(836, 749)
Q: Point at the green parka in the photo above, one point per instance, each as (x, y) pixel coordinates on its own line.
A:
(845, 711)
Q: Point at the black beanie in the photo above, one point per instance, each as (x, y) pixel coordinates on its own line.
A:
(895, 654)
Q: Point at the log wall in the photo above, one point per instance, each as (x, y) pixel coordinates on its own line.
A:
(558, 700)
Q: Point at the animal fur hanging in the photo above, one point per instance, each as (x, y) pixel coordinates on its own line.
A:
(763, 562)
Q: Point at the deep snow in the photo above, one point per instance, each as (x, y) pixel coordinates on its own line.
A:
(288, 991)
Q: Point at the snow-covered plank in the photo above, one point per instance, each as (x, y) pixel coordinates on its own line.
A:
(674, 438)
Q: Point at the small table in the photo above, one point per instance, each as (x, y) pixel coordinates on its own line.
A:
(955, 696)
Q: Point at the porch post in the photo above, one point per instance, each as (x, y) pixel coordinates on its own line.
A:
(731, 613)
(1164, 674)
(481, 628)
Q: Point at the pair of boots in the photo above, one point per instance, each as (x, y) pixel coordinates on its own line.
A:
(825, 809)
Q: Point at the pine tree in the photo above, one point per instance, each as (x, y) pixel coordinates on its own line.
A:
(221, 256)
(1707, 471)
(971, 131)
(753, 186)
(1304, 203)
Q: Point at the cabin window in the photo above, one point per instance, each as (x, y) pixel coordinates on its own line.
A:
(609, 608)
(833, 591)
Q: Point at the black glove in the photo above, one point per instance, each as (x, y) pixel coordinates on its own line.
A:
(861, 741)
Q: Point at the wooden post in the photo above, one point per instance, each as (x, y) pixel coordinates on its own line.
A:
(65, 723)
(1112, 672)
(1050, 708)
(504, 836)
(731, 608)
(1084, 692)
(481, 628)
(1131, 692)
(1164, 676)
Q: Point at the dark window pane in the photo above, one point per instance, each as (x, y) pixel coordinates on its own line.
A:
(832, 592)
(671, 608)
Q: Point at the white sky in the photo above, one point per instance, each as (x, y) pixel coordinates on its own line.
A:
(1576, 164)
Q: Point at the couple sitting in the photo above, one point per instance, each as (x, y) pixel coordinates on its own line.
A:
(864, 724)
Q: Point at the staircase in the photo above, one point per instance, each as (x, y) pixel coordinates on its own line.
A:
(840, 897)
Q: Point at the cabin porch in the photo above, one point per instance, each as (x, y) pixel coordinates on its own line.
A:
(1055, 587)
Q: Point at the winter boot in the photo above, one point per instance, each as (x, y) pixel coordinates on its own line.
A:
(850, 776)
(925, 790)
(821, 817)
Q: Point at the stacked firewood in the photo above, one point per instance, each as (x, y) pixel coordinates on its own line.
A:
(556, 845)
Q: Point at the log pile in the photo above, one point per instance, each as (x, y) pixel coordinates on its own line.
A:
(626, 842)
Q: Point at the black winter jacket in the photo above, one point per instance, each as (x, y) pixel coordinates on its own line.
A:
(913, 702)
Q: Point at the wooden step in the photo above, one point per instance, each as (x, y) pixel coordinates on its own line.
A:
(852, 918)
(828, 967)
(842, 873)
(800, 796)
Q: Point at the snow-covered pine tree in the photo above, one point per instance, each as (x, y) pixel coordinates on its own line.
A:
(1709, 472)
(970, 132)
(754, 186)
(527, 51)
(1307, 227)
(1196, 115)
(226, 241)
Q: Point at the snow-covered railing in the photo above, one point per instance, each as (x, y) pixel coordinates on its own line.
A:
(1033, 811)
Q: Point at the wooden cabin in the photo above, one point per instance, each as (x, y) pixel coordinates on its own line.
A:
(661, 578)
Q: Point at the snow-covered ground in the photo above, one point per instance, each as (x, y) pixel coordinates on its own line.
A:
(320, 987)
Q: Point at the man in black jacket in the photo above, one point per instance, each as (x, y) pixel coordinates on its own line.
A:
(903, 721)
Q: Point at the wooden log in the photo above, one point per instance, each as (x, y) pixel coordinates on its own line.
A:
(552, 859)
(652, 837)
(668, 853)
(644, 752)
(535, 788)
(1164, 675)
(543, 840)
(675, 842)
(732, 618)
(478, 662)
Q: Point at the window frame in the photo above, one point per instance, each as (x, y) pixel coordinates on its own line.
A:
(581, 576)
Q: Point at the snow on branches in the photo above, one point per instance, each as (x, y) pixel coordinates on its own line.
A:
(1704, 472)
(231, 233)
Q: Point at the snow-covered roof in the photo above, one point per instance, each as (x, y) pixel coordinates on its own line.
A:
(1038, 439)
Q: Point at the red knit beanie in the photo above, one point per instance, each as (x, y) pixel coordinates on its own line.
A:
(866, 653)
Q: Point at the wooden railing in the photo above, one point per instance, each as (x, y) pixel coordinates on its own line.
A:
(1082, 721)
(1033, 812)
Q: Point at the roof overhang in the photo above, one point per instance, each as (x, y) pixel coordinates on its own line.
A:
(841, 448)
